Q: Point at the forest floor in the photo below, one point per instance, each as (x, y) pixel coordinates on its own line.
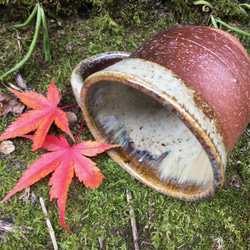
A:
(100, 218)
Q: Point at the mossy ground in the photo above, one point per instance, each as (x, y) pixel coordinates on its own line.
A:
(162, 222)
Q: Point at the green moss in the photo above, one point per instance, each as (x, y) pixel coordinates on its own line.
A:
(162, 222)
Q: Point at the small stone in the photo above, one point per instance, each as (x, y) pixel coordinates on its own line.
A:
(6, 147)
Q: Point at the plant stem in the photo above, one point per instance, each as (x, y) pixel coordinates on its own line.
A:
(46, 42)
(203, 3)
(79, 133)
(68, 106)
(232, 28)
(213, 21)
(32, 46)
(32, 15)
(245, 4)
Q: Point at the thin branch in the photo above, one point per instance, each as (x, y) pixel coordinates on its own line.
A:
(133, 222)
(19, 80)
(51, 231)
(18, 40)
(26, 195)
(100, 242)
(247, 133)
(10, 228)
(85, 239)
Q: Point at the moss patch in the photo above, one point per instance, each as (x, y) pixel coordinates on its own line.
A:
(162, 222)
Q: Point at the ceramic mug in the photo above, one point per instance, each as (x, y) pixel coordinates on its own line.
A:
(177, 106)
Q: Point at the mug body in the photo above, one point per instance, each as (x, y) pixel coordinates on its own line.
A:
(176, 107)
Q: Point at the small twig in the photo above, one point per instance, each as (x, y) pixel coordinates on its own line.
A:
(13, 87)
(7, 227)
(2, 236)
(51, 231)
(19, 80)
(10, 228)
(18, 40)
(100, 242)
(26, 194)
(247, 133)
(33, 198)
(85, 239)
(147, 243)
(133, 222)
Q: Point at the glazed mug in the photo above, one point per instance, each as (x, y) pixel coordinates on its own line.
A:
(176, 106)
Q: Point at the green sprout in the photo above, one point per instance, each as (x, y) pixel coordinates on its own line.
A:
(206, 7)
(40, 19)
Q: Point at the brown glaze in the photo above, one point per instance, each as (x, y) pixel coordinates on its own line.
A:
(201, 76)
(99, 62)
(212, 62)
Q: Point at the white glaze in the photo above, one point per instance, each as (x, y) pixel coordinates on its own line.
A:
(186, 161)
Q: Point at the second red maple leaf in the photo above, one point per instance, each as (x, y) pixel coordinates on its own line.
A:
(65, 161)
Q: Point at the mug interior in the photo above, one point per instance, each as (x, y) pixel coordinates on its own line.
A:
(156, 146)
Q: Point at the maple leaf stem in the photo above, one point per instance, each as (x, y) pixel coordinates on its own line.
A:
(79, 132)
(68, 106)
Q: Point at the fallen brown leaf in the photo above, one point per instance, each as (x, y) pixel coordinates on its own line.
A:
(69, 46)
(71, 116)
(8, 104)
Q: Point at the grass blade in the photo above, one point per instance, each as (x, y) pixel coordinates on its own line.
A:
(213, 21)
(32, 15)
(46, 42)
(232, 28)
(204, 3)
(245, 4)
(32, 46)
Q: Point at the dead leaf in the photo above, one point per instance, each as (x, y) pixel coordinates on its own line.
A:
(33, 198)
(71, 116)
(26, 195)
(20, 81)
(6, 147)
(8, 104)
(69, 46)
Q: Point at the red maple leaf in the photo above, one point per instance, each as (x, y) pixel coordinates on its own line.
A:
(65, 161)
(44, 112)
